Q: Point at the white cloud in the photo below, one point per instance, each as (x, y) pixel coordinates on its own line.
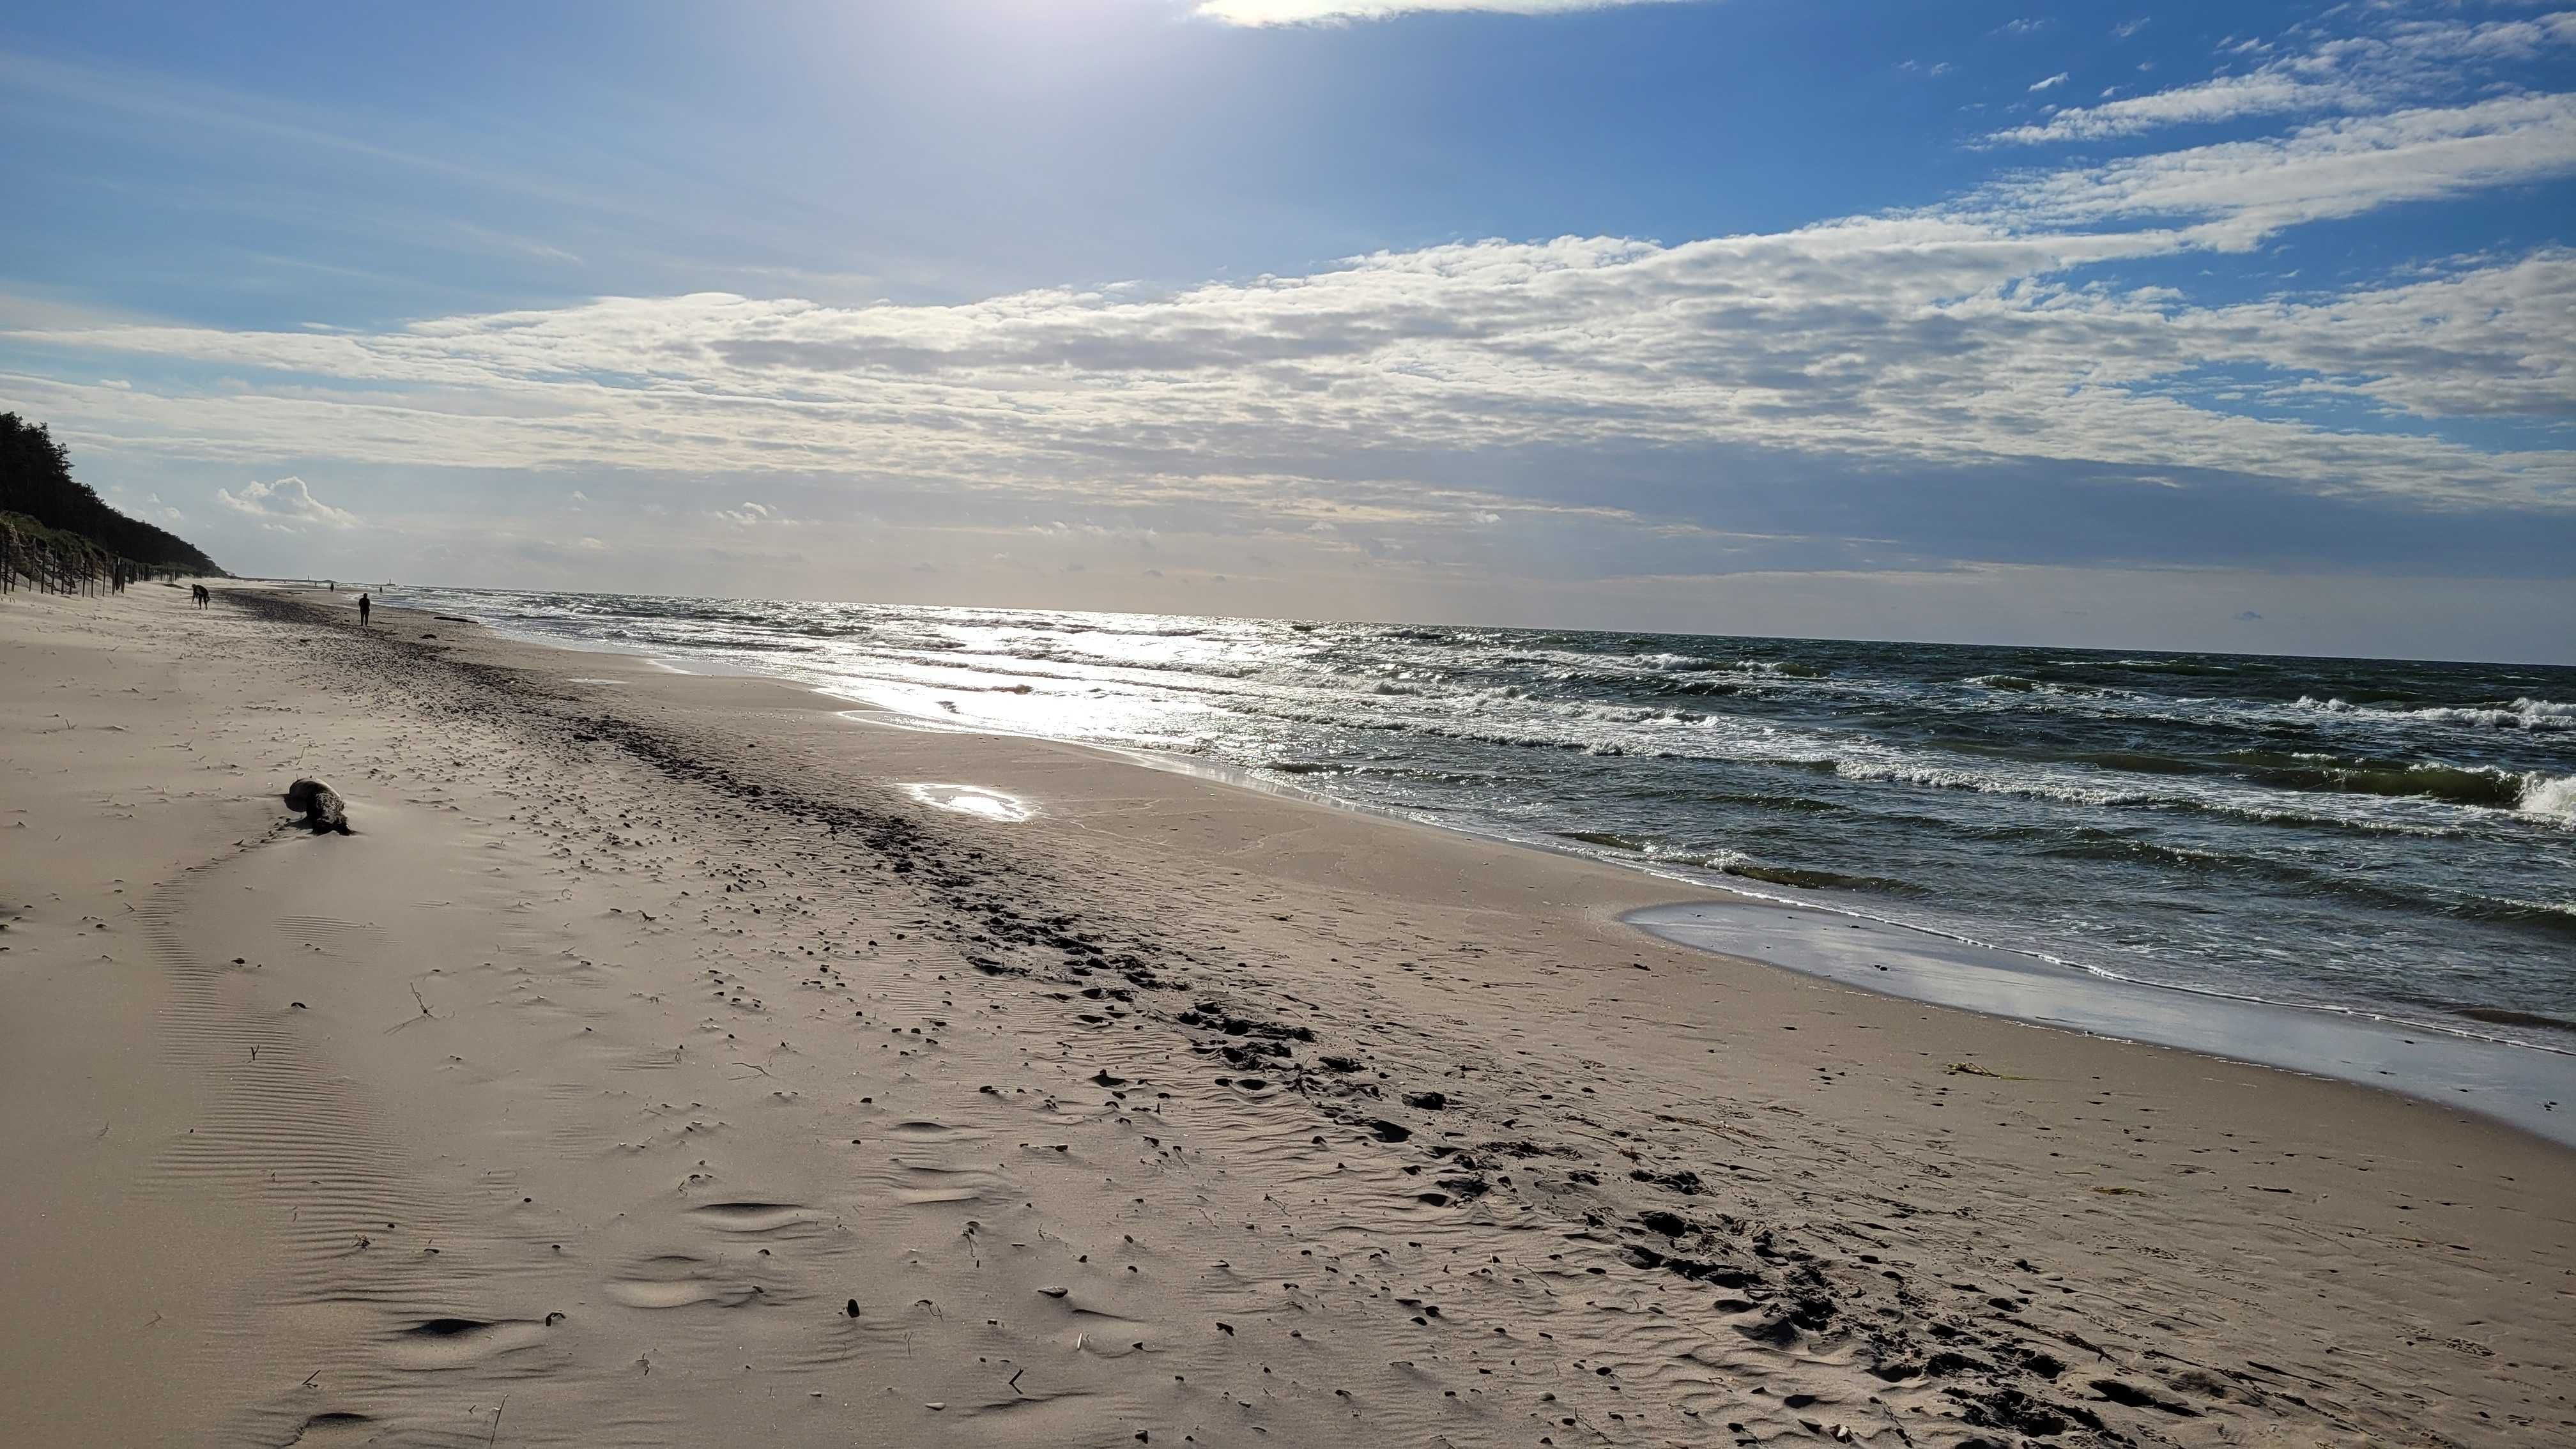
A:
(151, 509)
(285, 504)
(2242, 191)
(2406, 61)
(1332, 12)
(2051, 83)
(2497, 341)
(2224, 98)
(1933, 341)
(1966, 337)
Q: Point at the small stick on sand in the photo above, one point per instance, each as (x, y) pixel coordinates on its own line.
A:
(413, 1020)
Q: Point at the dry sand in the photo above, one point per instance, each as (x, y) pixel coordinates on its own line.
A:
(651, 1067)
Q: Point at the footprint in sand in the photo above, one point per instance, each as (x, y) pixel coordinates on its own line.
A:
(676, 1280)
(753, 1217)
(1070, 1417)
(929, 1131)
(454, 1343)
(1094, 1329)
(926, 1184)
(335, 1428)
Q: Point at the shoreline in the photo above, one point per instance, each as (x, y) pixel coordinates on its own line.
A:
(663, 1055)
(2532, 1089)
(2465, 1068)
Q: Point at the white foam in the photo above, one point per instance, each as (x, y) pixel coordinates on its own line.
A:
(2524, 714)
(2549, 797)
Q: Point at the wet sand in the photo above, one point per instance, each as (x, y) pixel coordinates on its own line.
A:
(2530, 1088)
(676, 1060)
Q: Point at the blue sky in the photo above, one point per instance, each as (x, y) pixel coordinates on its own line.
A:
(2235, 325)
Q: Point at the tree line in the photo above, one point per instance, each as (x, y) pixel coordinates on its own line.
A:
(56, 532)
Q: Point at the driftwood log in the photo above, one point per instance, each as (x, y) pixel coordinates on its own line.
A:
(321, 805)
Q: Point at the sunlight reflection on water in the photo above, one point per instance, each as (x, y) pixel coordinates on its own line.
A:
(973, 800)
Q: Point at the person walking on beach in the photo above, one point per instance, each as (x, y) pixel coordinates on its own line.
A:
(362, 610)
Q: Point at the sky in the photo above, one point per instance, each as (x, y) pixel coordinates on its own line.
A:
(2210, 326)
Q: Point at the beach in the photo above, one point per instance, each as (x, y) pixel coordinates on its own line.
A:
(686, 1059)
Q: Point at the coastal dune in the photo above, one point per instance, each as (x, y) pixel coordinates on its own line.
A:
(670, 1059)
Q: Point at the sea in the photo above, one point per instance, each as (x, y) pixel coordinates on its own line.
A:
(2388, 838)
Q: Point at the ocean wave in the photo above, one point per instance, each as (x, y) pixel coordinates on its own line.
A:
(1076, 657)
(2483, 786)
(1609, 839)
(1578, 667)
(1379, 772)
(2522, 714)
(1736, 863)
(1766, 800)
(1950, 777)
(1793, 876)
(2139, 762)
(2551, 798)
(2080, 791)
(2303, 877)
(2192, 667)
(2505, 1016)
(2024, 684)
(1704, 688)
(711, 643)
(2486, 787)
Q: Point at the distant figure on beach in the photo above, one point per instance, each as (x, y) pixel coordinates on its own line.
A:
(197, 594)
(362, 610)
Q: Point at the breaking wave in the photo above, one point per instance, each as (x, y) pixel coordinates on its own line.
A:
(2524, 714)
(2549, 799)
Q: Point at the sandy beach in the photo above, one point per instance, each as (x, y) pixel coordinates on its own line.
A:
(669, 1059)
